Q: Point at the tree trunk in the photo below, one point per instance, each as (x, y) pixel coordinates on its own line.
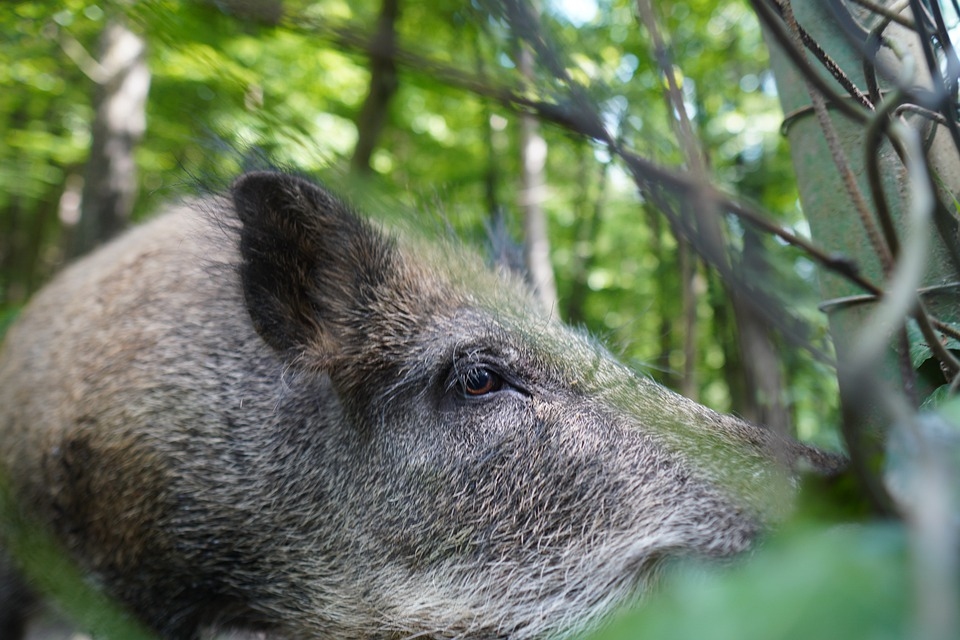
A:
(832, 192)
(383, 84)
(879, 210)
(110, 178)
(758, 351)
(589, 221)
(689, 385)
(533, 160)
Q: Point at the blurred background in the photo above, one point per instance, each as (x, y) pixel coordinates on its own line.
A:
(444, 113)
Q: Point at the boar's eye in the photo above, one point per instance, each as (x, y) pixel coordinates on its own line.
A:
(479, 381)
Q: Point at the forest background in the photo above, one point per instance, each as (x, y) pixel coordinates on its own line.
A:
(458, 117)
(224, 87)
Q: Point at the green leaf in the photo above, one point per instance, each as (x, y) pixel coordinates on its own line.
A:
(949, 405)
(920, 351)
(833, 584)
(938, 397)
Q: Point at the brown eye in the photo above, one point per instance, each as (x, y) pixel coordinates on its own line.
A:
(479, 381)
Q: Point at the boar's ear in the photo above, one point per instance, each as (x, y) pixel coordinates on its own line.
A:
(308, 264)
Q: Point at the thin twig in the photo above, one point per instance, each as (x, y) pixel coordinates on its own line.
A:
(772, 20)
(886, 12)
(873, 137)
(927, 325)
(824, 58)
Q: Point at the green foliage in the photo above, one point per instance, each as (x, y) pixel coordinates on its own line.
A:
(927, 368)
(843, 583)
(223, 86)
(6, 319)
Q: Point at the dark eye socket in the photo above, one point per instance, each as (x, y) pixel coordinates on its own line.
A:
(479, 381)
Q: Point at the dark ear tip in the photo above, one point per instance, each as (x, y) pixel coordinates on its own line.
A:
(258, 192)
(250, 192)
(253, 191)
(255, 179)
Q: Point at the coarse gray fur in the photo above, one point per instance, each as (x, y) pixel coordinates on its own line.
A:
(261, 411)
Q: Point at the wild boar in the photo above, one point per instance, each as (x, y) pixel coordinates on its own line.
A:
(262, 411)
